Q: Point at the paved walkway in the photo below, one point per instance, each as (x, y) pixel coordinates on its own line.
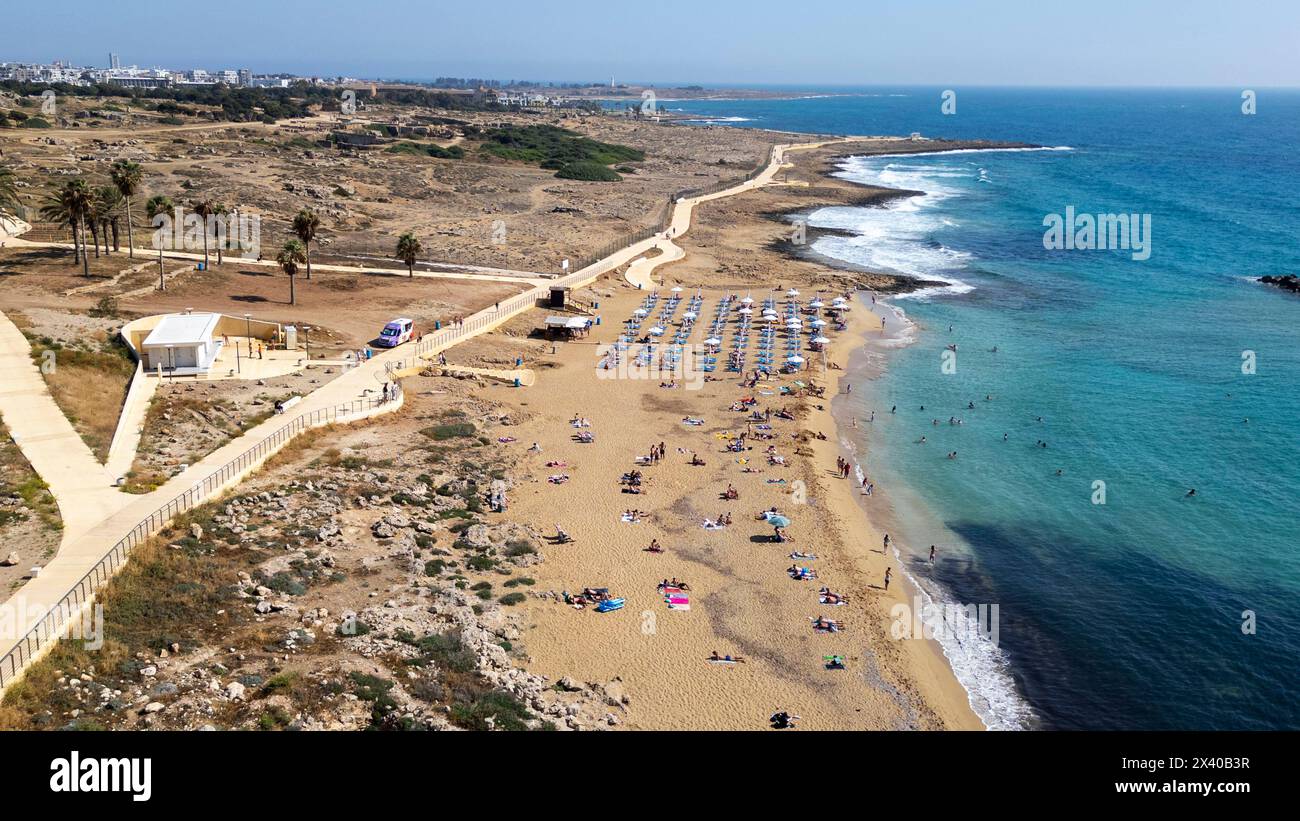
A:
(95, 526)
(82, 486)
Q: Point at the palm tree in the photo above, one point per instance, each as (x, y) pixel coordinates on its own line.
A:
(291, 255)
(107, 207)
(222, 210)
(158, 204)
(9, 202)
(127, 175)
(305, 225)
(205, 208)
(408, 250)
(70, 205)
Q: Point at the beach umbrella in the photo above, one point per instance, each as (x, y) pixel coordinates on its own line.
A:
(794, 323)
(817, 323)
(820, 340)
(778, 521)
(792, 292)
(640, 312)
(713, 340)
(794, 359)
(769, 317)
(746, 311)
(816, 303)
(688, 315)
(677, 289)
(747, 300)
(656, 330)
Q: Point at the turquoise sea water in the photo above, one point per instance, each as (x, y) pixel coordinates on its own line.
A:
(1127, 614)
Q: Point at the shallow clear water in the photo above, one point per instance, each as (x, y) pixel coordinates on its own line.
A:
(1128, 613)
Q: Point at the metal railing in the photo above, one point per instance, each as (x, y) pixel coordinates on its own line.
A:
(56, 618)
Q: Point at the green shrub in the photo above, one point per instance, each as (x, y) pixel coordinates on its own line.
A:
(588, 172)
(452, 431)
(511, 599)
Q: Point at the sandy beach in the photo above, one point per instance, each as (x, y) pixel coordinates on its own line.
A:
(742, 600)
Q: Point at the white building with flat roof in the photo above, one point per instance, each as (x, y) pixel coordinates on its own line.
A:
(182, 344)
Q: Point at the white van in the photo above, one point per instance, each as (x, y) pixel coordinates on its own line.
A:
(397, 332)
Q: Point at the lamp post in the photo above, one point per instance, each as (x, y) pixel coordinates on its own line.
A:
(248, 326)
(238, 367)
(306, 341)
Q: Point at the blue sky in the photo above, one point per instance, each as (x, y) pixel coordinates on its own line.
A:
(1248, 43)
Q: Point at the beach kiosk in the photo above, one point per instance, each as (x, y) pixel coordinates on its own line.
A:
(567, 327)
(182, 344)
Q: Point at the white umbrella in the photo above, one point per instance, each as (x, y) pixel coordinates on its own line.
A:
(746, 311)
(794, 323)
(688, 315)
(769, 317)
(640, 312)
(816, 303)
(794, 360)
(677, 289)
(713, 340)
(792, 292)
(839, 300)
(747, 300)
(656, 330)
(820, 340)
(817, 323)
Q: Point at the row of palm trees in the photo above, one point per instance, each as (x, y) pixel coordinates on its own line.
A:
(98, 210)
(297, 251)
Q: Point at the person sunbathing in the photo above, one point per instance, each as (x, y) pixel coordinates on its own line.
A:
(731, 493)
(654, 547)
(561, 537)
(696, 460)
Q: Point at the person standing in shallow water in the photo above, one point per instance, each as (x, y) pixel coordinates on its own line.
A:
(931, 554)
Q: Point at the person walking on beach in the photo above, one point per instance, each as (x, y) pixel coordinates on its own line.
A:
(889, 572)
(886, 542)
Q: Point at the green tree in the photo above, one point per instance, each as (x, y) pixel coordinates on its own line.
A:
(205, 208)
(305, 226)
(70, 205)
(107, 209)
(290, 257)
(155, 205)
(408, 250)
(127, 175)
(9, 201)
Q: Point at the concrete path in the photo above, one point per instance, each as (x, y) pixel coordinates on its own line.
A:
(82, 486)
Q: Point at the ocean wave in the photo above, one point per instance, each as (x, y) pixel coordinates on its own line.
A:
(981, 666)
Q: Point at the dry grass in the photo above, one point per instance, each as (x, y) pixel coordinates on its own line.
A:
(88, 380)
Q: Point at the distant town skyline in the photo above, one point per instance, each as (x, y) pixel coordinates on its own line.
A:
(944, 42)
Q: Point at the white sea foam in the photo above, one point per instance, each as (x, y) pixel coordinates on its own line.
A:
(897, 238)
(981, 666)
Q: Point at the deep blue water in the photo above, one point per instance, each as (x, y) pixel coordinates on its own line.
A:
(1126, 614)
